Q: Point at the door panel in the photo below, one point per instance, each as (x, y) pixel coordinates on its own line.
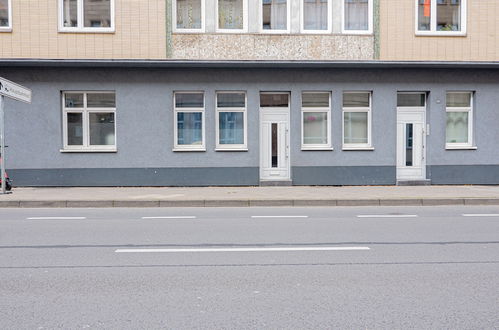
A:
(274, 144)
(411, 140)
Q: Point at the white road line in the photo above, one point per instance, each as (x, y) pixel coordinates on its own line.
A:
(481, 215)
(387, 216)
(172, 217)
(279, 216)
(283, 249)
(56, 218)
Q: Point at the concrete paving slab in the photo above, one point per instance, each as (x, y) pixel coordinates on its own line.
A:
(443, 201)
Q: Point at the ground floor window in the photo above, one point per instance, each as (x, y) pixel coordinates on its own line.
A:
(356, 120)
(189, 121)
(316, 114)
(459, 128)
(231, 121)
(89, 121)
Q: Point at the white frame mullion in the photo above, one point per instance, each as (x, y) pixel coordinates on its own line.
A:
(368, 110)
(329, 19)
(175, 29)
(231, 147)
(370, 19)
(245, 20)
(469, 110)
(433, 21)
(80, 26)
(181, 147)
(8, 28)
(288, 19)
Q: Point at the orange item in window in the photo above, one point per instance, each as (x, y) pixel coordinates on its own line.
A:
(427, 8)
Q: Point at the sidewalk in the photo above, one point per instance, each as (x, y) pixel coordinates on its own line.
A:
(251, 196)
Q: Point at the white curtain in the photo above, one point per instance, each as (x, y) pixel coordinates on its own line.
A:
(356, 15)
(315, 14)
(278, 15)
(230, 14)
(189, 14)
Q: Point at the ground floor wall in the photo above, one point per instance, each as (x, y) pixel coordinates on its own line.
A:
(145, 154)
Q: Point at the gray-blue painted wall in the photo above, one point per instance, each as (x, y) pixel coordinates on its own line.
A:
(145, 125)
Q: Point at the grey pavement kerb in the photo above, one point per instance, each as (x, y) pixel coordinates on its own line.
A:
(252, 196)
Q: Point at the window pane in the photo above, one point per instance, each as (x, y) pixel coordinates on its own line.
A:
(274, 100)
(97, 13)
(188, 14)
(101, 129)
(356, 100)
(230, 14)
(355, 127)
(457, 127)
(459, 99)
(356, 15)
(424, 15)
(75, 129)
(411, 99)
(231, 100)
(4, 12)
(70, 13)
(274, 14)
(189, 100)
(315, 14)
(314, 128)
(190, 128)
(449, 15)
(73, 100)
(101, 100)
(231, 125)
(315, 100)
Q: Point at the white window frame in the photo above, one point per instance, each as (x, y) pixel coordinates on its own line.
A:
(370, 18)
(85, 111)
(80, 28)
(8, 28)
(232, 147)
(469, 110)
(327, 111)
(368, 110)
(433, 21)
(288, 18)
(175, 29)
(245, 20)
(329, 20)
(183, 147)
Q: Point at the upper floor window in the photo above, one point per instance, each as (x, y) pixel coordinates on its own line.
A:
(357, 16)
(441, 17)
(5, 15)
(316, 16)
(188, 15)
(232, 15)
(275, 15)
(86, 15)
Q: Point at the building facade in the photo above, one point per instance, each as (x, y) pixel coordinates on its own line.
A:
(252, 92)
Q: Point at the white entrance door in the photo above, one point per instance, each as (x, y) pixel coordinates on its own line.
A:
(411, 141)
(274, 144)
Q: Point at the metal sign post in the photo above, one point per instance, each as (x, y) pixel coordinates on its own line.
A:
(16, 92)
(2, 146)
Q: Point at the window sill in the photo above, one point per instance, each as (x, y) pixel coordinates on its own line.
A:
(357, 148)
(460, 148)
(192, 150)
(231, 149)
(357, 32)
(88, 150)
(441, 34)
(188, 31)
(88, 30)
(5, 29)
(317, 148)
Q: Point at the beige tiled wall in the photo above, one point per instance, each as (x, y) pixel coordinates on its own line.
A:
(140, 33)
(399, 42)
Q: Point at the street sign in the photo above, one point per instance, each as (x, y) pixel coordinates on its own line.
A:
(14, 91)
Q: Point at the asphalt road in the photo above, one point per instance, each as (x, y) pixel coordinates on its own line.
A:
(250, 268)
